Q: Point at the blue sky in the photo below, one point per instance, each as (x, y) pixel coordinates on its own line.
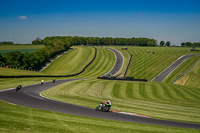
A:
(169, 20)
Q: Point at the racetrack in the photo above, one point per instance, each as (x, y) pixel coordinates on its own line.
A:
(171, 68)
(30, 96)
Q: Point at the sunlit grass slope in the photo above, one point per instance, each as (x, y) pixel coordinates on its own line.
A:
(146, 65)
(188, 64)
(103, 63)
(191, 79)
(14, 72)
(158, 100)
(20, 119)
(6, 83)
(72, 62)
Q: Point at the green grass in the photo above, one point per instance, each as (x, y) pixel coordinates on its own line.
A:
(191, 79)
(157, 100)
(20, 119)
(14, 72)
(6, 83)
(72, 62)
(147, 66)
(22, 48)
(103, 63)
(189, 63)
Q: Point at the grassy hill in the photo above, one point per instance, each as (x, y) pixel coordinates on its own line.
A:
(188, 64)
(158, 100)
(72, 62)
(146, 65)
(191, 79)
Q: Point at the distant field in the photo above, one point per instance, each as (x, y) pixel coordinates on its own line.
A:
(157, 100)
(22, 48)
(146, 65)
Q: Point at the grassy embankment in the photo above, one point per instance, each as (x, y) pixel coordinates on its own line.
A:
(145, 100)
(18, 119)
(146, 66)
(76, 60)
(191, 79)
(158, 100)
(22, 48)
(183, 68)
(72, 62)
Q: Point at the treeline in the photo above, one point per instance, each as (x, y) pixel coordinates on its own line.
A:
(34, 60)
(6, 43)
(76, 40)
(57, 44)
(189, 44)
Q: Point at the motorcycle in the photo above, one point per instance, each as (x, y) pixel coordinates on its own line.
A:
(103, 108)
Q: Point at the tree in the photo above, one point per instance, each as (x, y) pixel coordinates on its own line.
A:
(168, 43)
(14, 59)
(162, 43)
(2, 61)
(188, 44)
(183, 44)
(37, 41)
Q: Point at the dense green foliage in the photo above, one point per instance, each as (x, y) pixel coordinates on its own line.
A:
(162, 43)
(189, 44)
(6, 43)
(76, 40)
(31, 60)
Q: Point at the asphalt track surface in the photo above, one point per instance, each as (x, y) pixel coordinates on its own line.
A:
(30, 96)
(119, 61)
(171, 68)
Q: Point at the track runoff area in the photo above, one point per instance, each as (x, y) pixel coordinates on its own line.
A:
(30, 96)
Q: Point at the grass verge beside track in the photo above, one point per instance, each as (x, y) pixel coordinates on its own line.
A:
(189, 63)
(20, 119)
(103, 63)
(191, 79)
(147, 66)
(17, 72)
(72, 62)
(157, 100)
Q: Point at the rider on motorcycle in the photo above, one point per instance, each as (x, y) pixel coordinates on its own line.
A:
(105, 103)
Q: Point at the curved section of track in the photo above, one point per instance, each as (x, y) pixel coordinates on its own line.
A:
(30, 96)
(171, 68)
(119, 61)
